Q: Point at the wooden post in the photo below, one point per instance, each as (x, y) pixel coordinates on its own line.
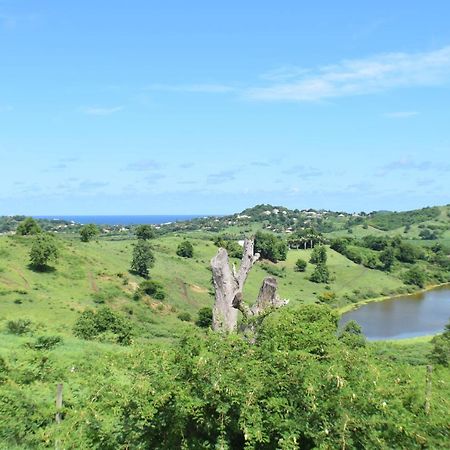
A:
(428, 389)
(59, 402)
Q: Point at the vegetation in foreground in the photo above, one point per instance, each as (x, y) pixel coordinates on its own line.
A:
(141, 370)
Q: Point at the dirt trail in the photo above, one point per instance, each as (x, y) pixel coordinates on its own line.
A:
(92, 282)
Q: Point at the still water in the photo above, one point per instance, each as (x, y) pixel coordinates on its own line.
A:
(403, 317)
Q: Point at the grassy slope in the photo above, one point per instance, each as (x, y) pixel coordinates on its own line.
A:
(88, 272)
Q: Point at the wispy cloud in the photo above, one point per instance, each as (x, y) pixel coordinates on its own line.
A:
(221, 177)
(401, 114)
(361, 77)
(191, 88)
(101, 111)
(91, 185)
(303, 171)
(409, 164)
(5, 108)
(144, 165)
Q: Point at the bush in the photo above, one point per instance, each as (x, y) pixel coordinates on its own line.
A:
(145, 232)
(270, 247)
(153, 288)
(88, 232)
(43, 250)
(19, 327)
(46, 342)
(143, 259)
(204, 318)
(184, 317)
(300, 265)
(93, 324)
(318, 255)
(321, 274)
(185, 249)
(440, 354)
(28, 227)
(415, 276)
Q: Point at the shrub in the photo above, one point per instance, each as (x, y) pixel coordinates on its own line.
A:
(415, 276)
(19, 327)
(143, 258)
(88, 232)
(28, 227)
(185, 249)
(440, 354)
(352, 335)
(92, 324)
(153, 288)
(144, 232)
(321, 274)
(318, 255)
(46, 342)
(43, 250)
(300, 265)
(204, 318)
(184, 317)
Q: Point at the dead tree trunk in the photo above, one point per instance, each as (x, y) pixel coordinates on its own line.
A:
(228, 285)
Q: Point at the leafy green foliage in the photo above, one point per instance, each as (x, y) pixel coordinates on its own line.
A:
(274, 270)
(352, 336)
(318, 255)
(43, 251)
(19, 326)
(145, 232)
(300, 265)
(440, 353)
(185, 317)
(28, 227)
(185, 249)
(88, 232)
(415, 276)
(391, 220)
(204, 317)
(143, 259)
(321, 274)
(46, 342)
(153, 288)
(104, 325)
(270, 247)
(233, 249)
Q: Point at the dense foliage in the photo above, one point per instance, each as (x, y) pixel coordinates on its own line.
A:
(43, 251)
(270, 246)
(145, 232)
(28, 227)
(143, 258)
(88, 232)
(185, 249)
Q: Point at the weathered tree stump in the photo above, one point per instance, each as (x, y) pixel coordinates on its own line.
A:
(228, 286)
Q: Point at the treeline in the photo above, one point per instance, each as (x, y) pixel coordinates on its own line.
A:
(387, 221)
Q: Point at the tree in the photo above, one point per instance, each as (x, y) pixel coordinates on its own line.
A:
(205, 317)
(352, 335)
(143, 258)
(408, 253)
(318, 255)
(28, 227)
(43, 251)
(321, 274)
(387, 258)
(145, 232)
(185, 249)
(415, 276)
(300, 265)
(270, 247)
(440, 354)
(88, 232)
(228, 286)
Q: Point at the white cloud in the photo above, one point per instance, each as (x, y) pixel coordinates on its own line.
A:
(401, 114)
(100, 111)
(361, 77)
(193, 88)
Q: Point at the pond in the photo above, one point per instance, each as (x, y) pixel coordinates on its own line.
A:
(403, 317)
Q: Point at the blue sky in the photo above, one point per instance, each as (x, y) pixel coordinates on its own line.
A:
(149, 107)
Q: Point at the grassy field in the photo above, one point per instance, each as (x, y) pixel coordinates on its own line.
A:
(90, 274)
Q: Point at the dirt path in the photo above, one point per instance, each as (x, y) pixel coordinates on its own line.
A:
(92, 282)
(22, 276)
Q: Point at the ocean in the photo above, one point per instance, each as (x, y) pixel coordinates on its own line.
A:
(122, 220)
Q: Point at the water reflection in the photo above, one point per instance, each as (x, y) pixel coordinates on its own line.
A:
(404, 317)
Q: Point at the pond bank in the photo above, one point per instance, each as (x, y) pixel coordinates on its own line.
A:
(356, 305)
